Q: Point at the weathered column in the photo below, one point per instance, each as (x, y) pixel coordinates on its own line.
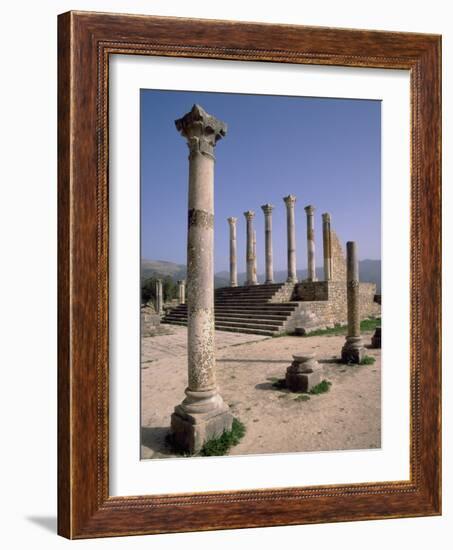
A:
(327, 246)
(159, 297)
(353, 350)
(311, 261)
(290, 201)
(250, 256)
(267, 209)
(182, 291)
(233, 253)
(255, 275)
(202, 415)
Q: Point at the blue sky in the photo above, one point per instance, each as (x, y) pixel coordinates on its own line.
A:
(327, 152)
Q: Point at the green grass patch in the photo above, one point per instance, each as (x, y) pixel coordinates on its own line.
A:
(367, 325)
(368, 360)
(322, 387)
(302, 397)
(221, 445)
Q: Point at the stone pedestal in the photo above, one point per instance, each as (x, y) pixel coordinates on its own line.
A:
(267, 209)
(303, 374)
(203, 414)
(311, 260)
(233, 252)
(290, 201)
(250, 252)
(353, 350)
(200, 417)
(376, 339)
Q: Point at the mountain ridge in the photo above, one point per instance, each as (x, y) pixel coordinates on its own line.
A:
(369, 272)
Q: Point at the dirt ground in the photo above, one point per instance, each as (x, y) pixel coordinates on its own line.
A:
(347, 417)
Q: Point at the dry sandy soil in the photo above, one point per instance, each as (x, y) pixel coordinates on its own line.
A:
(347, 417)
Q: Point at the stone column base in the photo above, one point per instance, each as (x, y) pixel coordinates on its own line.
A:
(376, 339)
(191, 429)
(303, 374)
(353, 350)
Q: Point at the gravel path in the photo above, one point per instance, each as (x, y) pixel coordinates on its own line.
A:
(347, 417)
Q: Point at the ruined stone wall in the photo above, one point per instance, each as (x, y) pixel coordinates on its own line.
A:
(285, 294)
(338, 258)
(309, 291)
(368, 307)
(320, 314)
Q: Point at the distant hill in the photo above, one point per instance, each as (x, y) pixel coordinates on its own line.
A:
(153, 268)
(370, 272)
(160, 268)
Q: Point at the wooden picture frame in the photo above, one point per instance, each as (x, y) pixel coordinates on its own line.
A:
(85, 42)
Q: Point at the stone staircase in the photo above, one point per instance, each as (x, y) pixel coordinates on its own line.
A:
(247, 309)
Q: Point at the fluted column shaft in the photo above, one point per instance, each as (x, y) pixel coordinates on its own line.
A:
(311, 261)
(203, 414)
(353, 349)
(267, 209)
(327, 246)
(250, 254)
(233, 253)
(352, 266)
(159, 297)
(182, 291)
(290, 201)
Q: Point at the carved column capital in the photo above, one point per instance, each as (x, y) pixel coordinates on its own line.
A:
(201, 130)
(267, 209)
(232, 220)
(249, 215)
(326, 217)
(310, 210)
(290, 201)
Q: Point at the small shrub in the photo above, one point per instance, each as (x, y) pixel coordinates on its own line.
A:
(221, 445)
(322, 387)
(302, 397)
(368, 360)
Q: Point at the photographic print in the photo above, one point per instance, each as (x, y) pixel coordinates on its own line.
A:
(260, 274)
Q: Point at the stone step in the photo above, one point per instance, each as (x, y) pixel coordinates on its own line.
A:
(233, 319)
(254, 320)
(250, 326)
(277, 315)
(246, 293)
(271, 309)
(230, 328)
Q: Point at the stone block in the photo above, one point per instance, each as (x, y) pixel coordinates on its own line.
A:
(376, 339)
(303, 374)
(353, 350)
(190, 431)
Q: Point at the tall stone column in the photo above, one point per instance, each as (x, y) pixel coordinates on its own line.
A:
(327, 246)
(250, 255)
(159, 297)
(255, 275)
(202, 415)
(233, 253)
(290, 201)
(353, 350)
(311, 261)
(182, 291)
(267, 209)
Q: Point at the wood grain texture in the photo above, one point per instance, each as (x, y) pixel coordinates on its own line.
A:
(85, 42)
